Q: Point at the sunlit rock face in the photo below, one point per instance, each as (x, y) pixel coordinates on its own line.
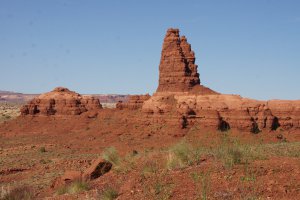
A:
(180, 99)
(61, 101)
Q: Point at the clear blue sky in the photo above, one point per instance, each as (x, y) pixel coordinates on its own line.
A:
(251, 48)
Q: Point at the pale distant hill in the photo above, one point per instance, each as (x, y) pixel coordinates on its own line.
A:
(7, 92)
(15, 97)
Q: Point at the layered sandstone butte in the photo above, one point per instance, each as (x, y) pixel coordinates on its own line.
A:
(177, 68)
(134, 102)
(182, 101)
(61, 101)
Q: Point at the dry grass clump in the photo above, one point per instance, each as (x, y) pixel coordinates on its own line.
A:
(149, 168)
(42, 150)
(74, 188)
(109, 194)
(120, 165)
(202, 183)
(111, 155)
(230, 151)
(284, 149)
(182, 155)
(24, 193)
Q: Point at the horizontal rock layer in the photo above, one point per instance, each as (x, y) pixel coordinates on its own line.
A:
(134, 102)
(224, 111)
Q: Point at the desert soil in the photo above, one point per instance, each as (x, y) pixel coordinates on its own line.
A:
(151, 160)
(9, 111)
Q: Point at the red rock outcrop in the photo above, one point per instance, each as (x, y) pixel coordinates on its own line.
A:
(61, 101)
(224, 112)
(177, 68)
(287, 113)
(67, 178)
(134, 102)
(98, 168)
(182, 101)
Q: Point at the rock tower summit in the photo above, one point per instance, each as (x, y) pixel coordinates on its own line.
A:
(177, 69)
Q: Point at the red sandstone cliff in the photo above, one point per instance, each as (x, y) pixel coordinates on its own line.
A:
(181, 100)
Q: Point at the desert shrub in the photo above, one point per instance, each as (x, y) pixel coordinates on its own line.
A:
(162, 190)
(7, 116)
(159, 189)
(24, 193)
(128, 162)
(62, 190)
(77, 187)
(42, 149)
(120, 165)
(285, 149)
(201, 181)
(182, 155)
(110, 154)
(150, 167)
(236, 155)
(43, 161)
(109, 194)
(73, 188)
(248, 174)
(229, 152)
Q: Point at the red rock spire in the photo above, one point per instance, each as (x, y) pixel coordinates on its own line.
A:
(177, 69)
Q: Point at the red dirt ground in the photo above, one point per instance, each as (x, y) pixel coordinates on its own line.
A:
(71, 143)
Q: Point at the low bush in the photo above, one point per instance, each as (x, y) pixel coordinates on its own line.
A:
(111, 155)
(73, 188)
(182, 155)
(202, 182)
(109, 194)
(42, 149)
(150, 167)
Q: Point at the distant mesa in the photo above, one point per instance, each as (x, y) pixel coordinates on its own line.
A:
(61, 101)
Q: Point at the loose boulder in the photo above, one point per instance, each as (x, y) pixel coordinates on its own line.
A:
(97, 169)
(66, 179)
